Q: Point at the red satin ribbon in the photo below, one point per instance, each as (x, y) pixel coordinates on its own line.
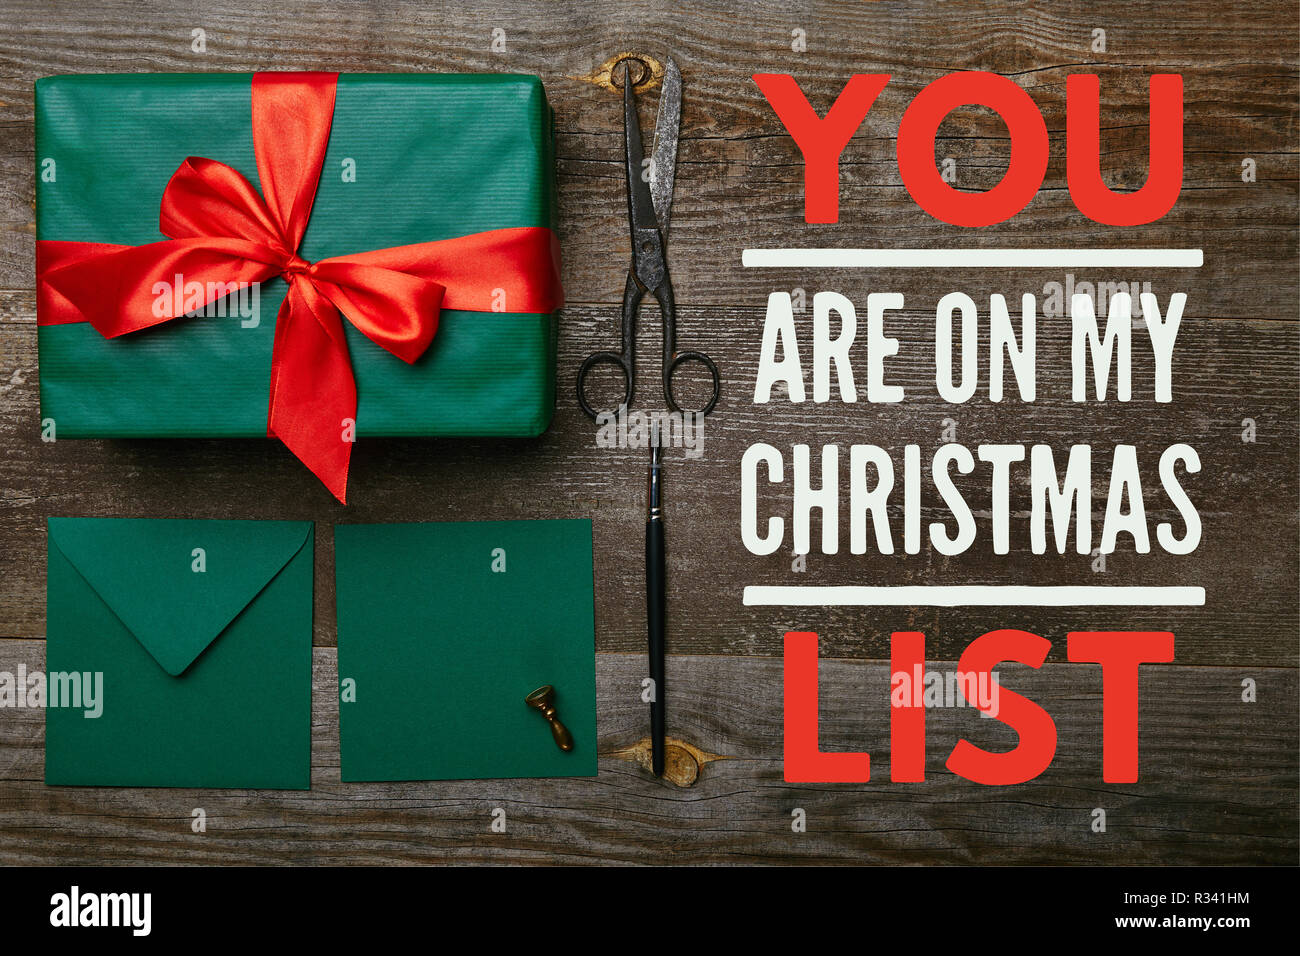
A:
(222, 231)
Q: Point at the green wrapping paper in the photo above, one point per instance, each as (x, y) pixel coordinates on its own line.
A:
(411, 158)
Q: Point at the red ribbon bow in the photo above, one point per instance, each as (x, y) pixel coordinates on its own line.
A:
(222, 231)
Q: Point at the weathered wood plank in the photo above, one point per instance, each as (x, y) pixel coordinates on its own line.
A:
(1218, 785)
(741, 180)
(1219, 776)
(1225, 371)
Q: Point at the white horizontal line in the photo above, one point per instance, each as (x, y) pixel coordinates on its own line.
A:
(976, 595)
(972, 258)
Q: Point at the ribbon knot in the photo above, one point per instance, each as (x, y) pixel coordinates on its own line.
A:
(296, 265)
(223, 231)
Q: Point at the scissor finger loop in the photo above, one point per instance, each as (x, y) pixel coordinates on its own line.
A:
(681, 358)
(622, 362)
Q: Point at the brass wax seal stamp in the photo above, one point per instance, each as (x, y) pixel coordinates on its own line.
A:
(544, 700)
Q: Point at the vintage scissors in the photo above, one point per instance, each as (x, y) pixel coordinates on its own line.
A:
(649, 201)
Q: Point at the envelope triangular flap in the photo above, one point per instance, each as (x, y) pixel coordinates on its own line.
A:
(175, 584)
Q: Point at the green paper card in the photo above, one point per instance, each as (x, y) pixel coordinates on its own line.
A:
(196, 637)
(411, 158)
(444, 629)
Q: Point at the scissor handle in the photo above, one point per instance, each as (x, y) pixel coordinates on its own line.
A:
(624, 360)
(624, 363)
(673, 359)
(680, 358)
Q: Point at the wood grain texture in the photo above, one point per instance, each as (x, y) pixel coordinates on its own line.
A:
(1218, 776)
(1227, 370)
(737, 164)
(1214, 782)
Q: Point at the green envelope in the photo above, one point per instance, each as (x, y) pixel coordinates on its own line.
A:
(202, 633)
(444, 629)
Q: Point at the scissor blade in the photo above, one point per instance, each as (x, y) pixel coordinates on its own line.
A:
(667, 126)
(640, 203)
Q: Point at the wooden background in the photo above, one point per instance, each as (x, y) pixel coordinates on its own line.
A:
(1219, 776)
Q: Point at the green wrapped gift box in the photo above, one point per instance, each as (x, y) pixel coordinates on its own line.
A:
(411, 158)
